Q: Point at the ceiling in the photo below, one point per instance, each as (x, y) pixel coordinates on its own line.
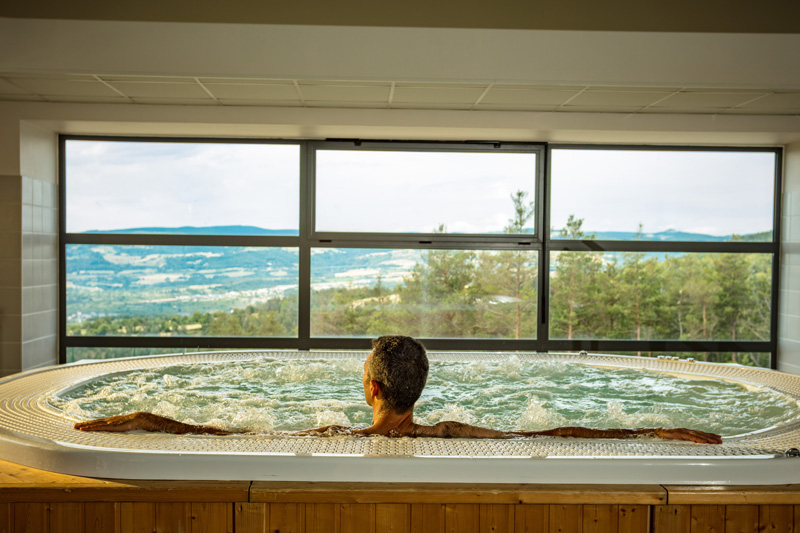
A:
(223, 91)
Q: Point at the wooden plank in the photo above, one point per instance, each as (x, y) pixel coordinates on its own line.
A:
(462, 518)
(708, 518)
(251, 517)
(531, 518)
(6, 518)
(427, 517)
(634, 519)
(672, 518)
(101, 517)
(323, 518)
(30, 518)
(776, 518)
(733, 495)
(212, 517)
(797, 519)
(496, 518)
(173, 517)
(393, 517)
(287, 517)
(600, 518)
(741, 518)
(66, 517)
(137, 517)
(507, 493)
(565, 519)
(357, 518)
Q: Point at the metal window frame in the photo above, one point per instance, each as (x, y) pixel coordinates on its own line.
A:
(309, 238)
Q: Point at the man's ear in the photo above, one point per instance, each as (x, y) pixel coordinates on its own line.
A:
(374, 388)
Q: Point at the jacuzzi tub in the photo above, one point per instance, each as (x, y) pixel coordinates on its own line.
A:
(35, 434)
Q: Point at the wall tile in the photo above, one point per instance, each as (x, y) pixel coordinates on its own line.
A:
(789, 303)
(37, 192)
(26, 222)
(49, 297)
(40, 352)
(789, 327)
(27, 190)
(31, 300)
(27, 272)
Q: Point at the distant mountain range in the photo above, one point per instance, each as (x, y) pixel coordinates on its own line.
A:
(667, 235)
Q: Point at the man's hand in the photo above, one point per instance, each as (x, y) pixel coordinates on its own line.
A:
(688, 434)
(146, 422)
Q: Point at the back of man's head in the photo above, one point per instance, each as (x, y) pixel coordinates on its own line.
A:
(400, 365)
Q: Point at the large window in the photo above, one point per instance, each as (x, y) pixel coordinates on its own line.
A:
(183, 245)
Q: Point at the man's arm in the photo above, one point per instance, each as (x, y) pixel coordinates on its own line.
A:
(148, 422)
(460, 430)
(692, 435)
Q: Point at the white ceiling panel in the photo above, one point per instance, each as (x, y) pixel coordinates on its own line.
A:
(436, 95)
(617, 98)
(346, 93)
(147, 89)
(706, 100)
(777, 101)
(527, 97)
(253, 91)
(64, 87)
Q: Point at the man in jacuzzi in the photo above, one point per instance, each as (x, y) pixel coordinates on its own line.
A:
(395, 373)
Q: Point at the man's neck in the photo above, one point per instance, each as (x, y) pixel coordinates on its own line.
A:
(390, 423)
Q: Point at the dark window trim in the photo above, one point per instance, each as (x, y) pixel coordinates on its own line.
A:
(308, 239)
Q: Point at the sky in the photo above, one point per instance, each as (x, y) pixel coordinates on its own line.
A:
(117, 185)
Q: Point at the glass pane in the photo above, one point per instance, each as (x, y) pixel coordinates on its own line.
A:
(636, 295)
(424, 192)
(423, 293)
(662, 195)
(182, 188)
(181, 291)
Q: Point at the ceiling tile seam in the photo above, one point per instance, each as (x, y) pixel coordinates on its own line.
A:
(207, 90)
(651, 104)
(391, 96)
(760, 97)
(571, 98)
(299, 93)
(482, 96)
(104, 82)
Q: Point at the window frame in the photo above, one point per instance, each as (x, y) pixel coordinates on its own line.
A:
(308, 238)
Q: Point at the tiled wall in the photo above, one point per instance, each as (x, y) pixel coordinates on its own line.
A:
(39, 272)
(789, 322)
(10, 274)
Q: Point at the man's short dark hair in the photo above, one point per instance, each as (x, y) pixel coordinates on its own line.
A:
(400, 365)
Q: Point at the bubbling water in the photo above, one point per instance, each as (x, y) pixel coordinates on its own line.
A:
(267, 395)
